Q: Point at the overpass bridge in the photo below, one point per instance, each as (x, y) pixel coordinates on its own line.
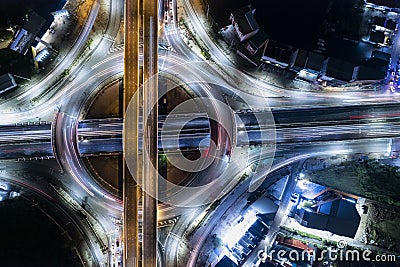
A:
(104, 136)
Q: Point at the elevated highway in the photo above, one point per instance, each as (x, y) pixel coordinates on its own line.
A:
(311, 125)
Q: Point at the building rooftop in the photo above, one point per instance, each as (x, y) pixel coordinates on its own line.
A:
(380, 21)
(15, 63)
(264, 205)
(381, 55)
(266, 218)
(34, 24)
(278, 51)
(315, 61)
(391, 25)
(259, 39)
(292, 243)
(375, 68)
(371, 72)
(226, 262)
(377, 37)
(301, 58)
(339, 217)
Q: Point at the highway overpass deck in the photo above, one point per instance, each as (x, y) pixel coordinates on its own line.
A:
(104, 136)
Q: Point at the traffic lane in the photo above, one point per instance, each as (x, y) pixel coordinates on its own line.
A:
(26, 150)
(25, 127)
(317, 133)
(97, 142)
(171, 126)
(171, 143)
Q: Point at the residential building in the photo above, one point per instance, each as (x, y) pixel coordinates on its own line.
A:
(340, 69)
(338, 217)
(226, 262)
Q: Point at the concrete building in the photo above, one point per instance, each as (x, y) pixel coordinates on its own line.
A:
(226, 262)
(340, 69)
(244, 22)
(377, 37)
(375, 68)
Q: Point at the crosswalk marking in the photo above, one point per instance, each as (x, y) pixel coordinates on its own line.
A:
(108, 37)
(116, 48)
(120, 47)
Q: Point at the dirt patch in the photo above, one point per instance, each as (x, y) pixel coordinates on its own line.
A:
(106, 104)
